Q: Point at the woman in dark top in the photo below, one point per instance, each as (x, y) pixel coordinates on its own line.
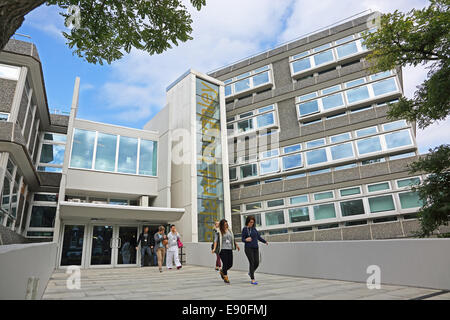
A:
(251, 236)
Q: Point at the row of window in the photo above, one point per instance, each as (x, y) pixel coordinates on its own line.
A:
(247, 81)
(253, 120)
(113, 153)
(53, 147)
(355, 91)
(327, 53)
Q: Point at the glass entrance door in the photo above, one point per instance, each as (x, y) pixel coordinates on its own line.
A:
(126, 245)
(102, 245)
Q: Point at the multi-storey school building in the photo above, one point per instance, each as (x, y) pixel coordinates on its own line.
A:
(296, 136)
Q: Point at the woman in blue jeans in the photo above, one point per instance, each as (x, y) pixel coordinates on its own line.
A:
(251, 236)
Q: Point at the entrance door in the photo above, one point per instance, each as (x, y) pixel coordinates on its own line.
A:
(102, 245)
(126, 239)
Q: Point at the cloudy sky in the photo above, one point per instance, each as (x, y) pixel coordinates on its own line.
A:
(130, 91)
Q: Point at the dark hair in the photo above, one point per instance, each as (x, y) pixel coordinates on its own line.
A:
(172, 225)
(222, 226)
(161, 228)
(250, 218)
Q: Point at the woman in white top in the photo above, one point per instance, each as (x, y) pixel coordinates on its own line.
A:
(172, 251)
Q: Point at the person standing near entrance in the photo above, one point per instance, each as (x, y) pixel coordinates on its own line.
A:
(216, 231)
(251, 236)
(144, 240)
(172, 251)
(224, 244)
(160, 246)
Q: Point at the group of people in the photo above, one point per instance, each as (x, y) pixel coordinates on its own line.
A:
(162, 245)
(225, 243)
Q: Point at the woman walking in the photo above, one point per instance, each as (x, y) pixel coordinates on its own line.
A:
(251, 236)
(216, 231)
(224, 244)
(160, 246)
(172, 251)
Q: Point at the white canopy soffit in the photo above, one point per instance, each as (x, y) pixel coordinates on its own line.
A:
(70, 210)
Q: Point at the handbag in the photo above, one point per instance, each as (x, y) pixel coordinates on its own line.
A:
(180, 244)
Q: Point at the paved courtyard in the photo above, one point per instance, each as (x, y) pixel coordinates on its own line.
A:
(192, 282)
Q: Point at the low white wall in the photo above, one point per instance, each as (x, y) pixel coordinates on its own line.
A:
(19, 262)
(411, 262)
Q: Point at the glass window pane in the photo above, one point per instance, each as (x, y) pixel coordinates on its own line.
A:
(340, 137)
(249, 171)
(352, 207)
(394, 125)
(82, 149)
(270, 153)
(261, 78)
(322, 47)
(331, 89)
(308, 107)
(52, 153)
(293, 161)
(410, 200)
(323, 57)
(307, 96)
(366, 131)
(381, 204)
(347, 49)
(245, 125)
(253, 206)
(378, 187)
(299, 214)
(324, 195)
(333, 101)
(232, 174)
(127, 162)
(265, 120)
(257, 219)
(315, 143)
(350, 191)
(148, 158)
(45, 197)
(294, 148)
(357, 94)
(242, 85)
(408, 182)
(275, 203)
(55, 137)
(324, 211)
(341, 151)
(105, 157)
(42, 217)
(354, 83)
(228, 90)
(301, 65)
(269, 166)
(385, 86)
(398, 139)
(274, 218)
(299, 199)
(369, 145)
(264, 109)
(316, 156)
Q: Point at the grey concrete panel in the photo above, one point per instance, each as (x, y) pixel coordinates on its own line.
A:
(297, 43)
(311, 128)
(236, 223)
(375, 169)
(318, 35)
(250, 192)
(381, 111)
(288, 120)
(20, 47)
(305, 83)
(276, 51)
(341, 27)
(50, 179)
(320, 179)
(278, 238)
(296, 184)
(362, 116)
(258, 58)
(302, 236)
(271, 188)
(240, 65)
(327, 76)
(282, 90)
(282, 73)
(222, 72)
(59, 120)
(263, 96)
(243, 102)
(10, 237)
(386, 230)
(400, 165)
(351, 69)
(356, 233)
(18, 136)
(346, 175)
(235, 194)
(7, 90)
(328, 234)
(229, 106)
(411, 227)
(337, 122)
(6, 131)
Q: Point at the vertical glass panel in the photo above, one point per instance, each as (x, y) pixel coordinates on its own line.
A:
(381, 204)
(274, 218)
(72, 248)
(410, 200)
(82, 149)
(232, 174)
(101, 245)
(249, 170)
(299, 214)
(341, 151)
(299, 199)
(6, 195)
(228, 90)
(357, 94)
(269, 166)
(398, 139)
(242, 85)
(369, 145)
(332, 101)
(323, 57)
(261, 78)
(301, 65)
(148, 158)
(245, 125)
(352, 207)
(385, 86)
(127, 245)
(127, 155)
(378, 187)
(294, 161)
(347, 49)
(52, 153)
(265, 120)
(316, 156)
(324, 211)
(42, 217)
(105, 157)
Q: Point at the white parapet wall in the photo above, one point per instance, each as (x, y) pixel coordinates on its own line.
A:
(410, 262)
(25, 269)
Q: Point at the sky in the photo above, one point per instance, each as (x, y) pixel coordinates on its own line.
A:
(129, 92)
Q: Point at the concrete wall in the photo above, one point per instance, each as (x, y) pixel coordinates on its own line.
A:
(7, 236)
(411, 262)
(19, 262)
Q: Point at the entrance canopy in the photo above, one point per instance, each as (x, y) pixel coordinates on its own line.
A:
(77, 210)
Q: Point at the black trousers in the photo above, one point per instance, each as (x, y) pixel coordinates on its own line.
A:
(253, 259)
(226, 255)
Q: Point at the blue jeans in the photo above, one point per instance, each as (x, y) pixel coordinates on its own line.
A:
(155, 258)
(145, 249)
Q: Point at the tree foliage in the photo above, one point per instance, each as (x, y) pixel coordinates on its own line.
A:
(409, 39)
